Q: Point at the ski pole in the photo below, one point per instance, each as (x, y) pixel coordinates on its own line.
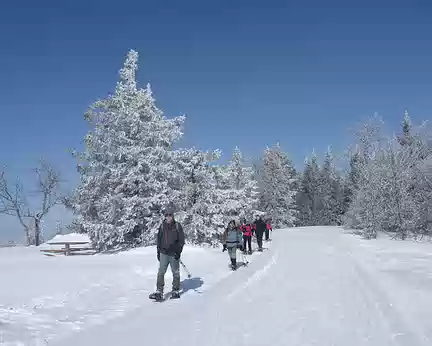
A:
(245, 260)
(186, 270)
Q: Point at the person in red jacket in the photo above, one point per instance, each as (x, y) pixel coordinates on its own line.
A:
(247, 236)
(268, 229)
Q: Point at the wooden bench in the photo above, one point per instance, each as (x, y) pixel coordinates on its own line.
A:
(67, 250)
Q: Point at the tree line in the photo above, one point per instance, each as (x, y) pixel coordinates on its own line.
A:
(132, 168)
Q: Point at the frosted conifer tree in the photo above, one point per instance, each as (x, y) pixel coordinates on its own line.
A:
(385, 199)
(127, 170)
(278, 193)
(237, 190)
(364, 210)
(351, 181)
(331, 194)
(308, 197)
(200, 211)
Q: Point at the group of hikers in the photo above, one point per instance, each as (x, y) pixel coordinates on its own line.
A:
(170, 241)
(233, 236)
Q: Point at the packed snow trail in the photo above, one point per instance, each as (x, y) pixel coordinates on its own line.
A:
(307, 289)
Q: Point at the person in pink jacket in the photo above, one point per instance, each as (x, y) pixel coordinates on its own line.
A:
(268, 229)
(247, 236)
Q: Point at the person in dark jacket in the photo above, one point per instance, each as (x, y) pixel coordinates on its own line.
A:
(169, 245)
(259, 227)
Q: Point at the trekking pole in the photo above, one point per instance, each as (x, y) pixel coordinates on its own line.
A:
(245, 260)
(186, 270)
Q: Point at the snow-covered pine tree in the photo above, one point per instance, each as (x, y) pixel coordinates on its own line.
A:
(237, 189)
(127, 170)
(200, 211)
(417, 142)
(393, 194)
(330, 190)
(365, 207)
(308, 196)
(278, 191)
(351, 181)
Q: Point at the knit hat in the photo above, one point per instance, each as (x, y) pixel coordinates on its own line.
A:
(169, 211)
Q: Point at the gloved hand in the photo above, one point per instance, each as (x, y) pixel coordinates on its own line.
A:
(224, 248)
(158, 256)
(177, 256)
(240, 247)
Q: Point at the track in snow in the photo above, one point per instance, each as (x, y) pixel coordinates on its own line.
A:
(308, 289)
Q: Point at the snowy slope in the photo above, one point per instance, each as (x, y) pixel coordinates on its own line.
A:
(313, 286)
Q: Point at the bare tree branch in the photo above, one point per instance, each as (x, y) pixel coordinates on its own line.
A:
(12, 202)
(13, 199)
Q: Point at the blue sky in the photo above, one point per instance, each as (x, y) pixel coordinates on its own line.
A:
(246, 73)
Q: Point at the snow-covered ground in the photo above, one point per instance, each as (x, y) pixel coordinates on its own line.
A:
(313, 286)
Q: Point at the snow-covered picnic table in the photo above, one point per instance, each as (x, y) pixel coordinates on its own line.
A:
(67, 249)
(72, 244)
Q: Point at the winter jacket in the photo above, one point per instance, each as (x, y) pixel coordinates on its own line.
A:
(170, 239)
(269, 227)
(246, 229)
(259, 226)
(232, 237)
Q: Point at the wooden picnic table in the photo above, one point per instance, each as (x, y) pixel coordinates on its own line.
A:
(67, 246)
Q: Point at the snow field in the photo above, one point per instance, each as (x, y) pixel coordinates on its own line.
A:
(313, 286)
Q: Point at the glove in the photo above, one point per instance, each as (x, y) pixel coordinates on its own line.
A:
(158, 256)
(177, 256)
(224, 248)
(240, 247)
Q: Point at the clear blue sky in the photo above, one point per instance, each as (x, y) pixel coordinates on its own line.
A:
(246, 73)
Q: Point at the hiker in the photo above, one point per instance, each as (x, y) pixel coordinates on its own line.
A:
(231, 241)
(259, 227)
(169, 245)
(268, 229)
(247, 236)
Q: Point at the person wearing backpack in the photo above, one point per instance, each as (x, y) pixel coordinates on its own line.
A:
(232, 238)
(169, 244)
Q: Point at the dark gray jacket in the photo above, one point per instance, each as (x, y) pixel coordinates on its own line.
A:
(260, 227)
(170, 238)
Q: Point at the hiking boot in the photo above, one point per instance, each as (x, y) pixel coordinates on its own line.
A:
(175, 295)
(158, 295)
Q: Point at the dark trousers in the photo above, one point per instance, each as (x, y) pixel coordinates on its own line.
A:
(259, 237)
(267, 234)
(165, 261)
(247, 239)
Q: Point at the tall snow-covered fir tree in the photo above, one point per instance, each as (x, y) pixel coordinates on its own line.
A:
(200, 210)
(351, 181)
(308, 197)
(390, 197)
(331, 193)
(128, 174)
(237, 189)
(278, 190)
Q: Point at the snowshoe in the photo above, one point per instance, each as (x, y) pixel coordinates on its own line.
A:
(175, 295)
(157, 296)
(260, 249)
